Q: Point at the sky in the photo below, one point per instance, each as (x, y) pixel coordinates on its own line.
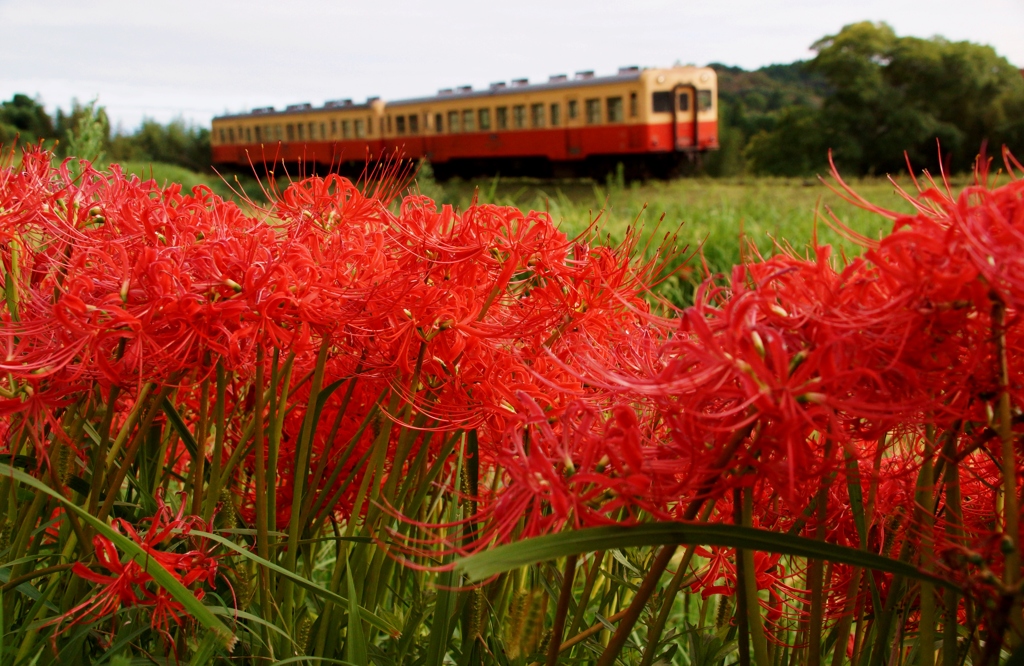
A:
(195, 60)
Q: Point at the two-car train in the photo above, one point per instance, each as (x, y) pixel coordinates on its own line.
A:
(650, 120)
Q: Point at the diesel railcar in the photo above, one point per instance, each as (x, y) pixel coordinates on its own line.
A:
(651, 120)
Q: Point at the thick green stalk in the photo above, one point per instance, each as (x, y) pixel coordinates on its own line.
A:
(198, 475)
(280, 379)
(926, 623)
(302, 455)
(954, 535)
(749, 591)
(262, 538)
(555, 642)
(1011, 503)
(220, 431)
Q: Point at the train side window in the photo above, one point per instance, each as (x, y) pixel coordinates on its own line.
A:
(301, 131)
(633, 107)
(501, 117)
(414, 124)
(259, 134)
(453, 121)
(484, 116)
(291, 132)
(468, 122)
(323, 131)
(222, 137)
(615, 110)
(438, 123)
(593, 111)
(574, 109)
(703, 100)
(248, 135)
(537, 115)
(359, 129)
(684, 101)
(399, 124)
(556, 115)
(519, 116)
(661, 102)
(389, 126)
(369, 126)
(277, 132)
(346, 128)
(231, 135)
(312, 131)
(334, 128)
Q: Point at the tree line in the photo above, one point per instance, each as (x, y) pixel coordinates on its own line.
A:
(868, 95)
(25, 119)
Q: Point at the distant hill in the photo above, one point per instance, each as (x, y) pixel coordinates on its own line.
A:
(754, 101)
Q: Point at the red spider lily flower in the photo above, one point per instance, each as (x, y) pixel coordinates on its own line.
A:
(126, 584)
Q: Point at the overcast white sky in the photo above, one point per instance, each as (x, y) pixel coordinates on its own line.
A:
(198, 59)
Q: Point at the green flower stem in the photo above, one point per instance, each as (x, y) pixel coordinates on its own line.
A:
(655, 630)
(749, 591)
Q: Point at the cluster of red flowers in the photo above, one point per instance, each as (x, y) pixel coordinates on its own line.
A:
(786, 377)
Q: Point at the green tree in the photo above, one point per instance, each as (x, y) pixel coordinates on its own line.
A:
(26, 119)
(174, 143)
(889, 94)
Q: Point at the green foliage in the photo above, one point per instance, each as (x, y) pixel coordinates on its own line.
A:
(888, 94)
(175, 143)
(26, 119)
(90, 134)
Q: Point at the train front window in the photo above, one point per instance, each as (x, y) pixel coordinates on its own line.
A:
(502, 117)
(615, 110)
(633, 110)
(414, 124)
(369, 126)
(684, 101)
(556, 115)
(453, 121)
(574, 109)
(223, 139)
(593, 111)
(438, 123)
(468, 122)
(703, 100)
(484, 116)
(519, 116)
(661, 102)
(537, 115)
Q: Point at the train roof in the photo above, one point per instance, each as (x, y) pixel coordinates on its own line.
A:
(520, 86)
(292, 109)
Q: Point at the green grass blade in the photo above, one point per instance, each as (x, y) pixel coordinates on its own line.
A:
(304, 583)
(164, 578)
(355, 642)
(179, 426)
(504, 558)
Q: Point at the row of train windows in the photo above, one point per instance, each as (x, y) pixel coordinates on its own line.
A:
(520, 116)
(350, 129)
(469, 120)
